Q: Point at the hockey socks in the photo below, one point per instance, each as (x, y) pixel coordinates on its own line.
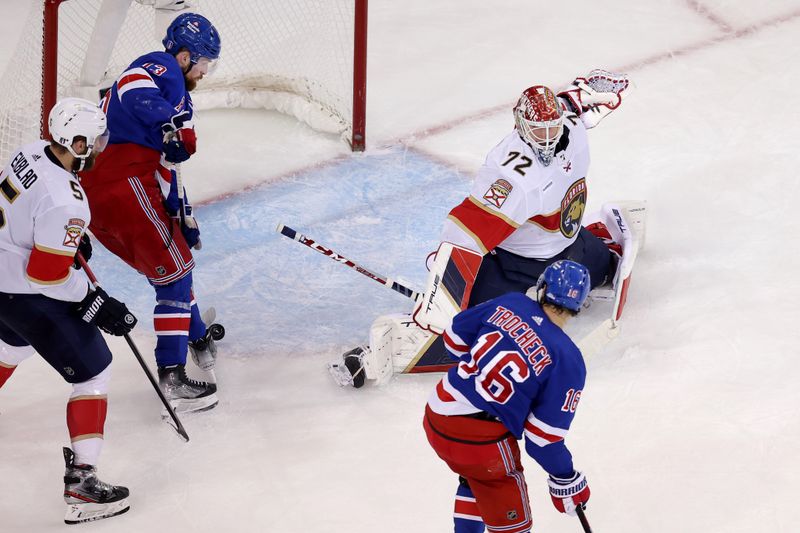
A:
(176, 319)
(86, 417)
(5, 373)
(466, 516)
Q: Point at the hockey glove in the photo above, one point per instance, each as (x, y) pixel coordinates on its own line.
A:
(568, 493)
(110, 315)
(85, 249)
(180, 141)
(595, 96)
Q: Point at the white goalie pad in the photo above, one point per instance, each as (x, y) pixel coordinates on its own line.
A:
(395, 341)
(449, 286)
(626, 222)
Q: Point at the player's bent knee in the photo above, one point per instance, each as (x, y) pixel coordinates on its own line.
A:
(95, 386)
(14, 355)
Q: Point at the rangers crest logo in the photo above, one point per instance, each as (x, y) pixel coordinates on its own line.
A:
(498, 192)
(572, 208)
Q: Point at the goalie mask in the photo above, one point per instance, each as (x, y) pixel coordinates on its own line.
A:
(565, 284)
(76, 117)
(539, 120)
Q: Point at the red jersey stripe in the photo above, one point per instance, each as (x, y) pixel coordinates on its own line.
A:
(448, 340)
(443, 394)
(49, 267)
(551, 222)
(539, 433)
(490, 228)
(130, 78)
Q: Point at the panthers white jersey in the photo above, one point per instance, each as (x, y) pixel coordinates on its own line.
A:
(43, 215)
(520, 205)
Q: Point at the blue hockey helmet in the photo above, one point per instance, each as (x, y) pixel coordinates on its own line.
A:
(566, 284)
(196, 34)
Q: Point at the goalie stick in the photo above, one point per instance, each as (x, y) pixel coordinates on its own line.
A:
(590, 344)
(286, 231)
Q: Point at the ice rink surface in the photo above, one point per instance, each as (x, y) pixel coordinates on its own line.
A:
(690, 420)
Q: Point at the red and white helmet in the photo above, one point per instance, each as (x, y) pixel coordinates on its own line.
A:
(539, 121)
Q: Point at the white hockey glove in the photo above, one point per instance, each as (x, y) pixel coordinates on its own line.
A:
(449, 287)
(594, 97)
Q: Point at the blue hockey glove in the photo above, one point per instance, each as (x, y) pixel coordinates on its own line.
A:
(179, 142)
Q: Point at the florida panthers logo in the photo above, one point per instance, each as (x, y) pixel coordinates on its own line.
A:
(572, 208)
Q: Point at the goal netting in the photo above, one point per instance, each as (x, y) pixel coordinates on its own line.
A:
(302, 57)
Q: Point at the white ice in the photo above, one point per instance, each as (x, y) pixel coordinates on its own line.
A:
(689, 420)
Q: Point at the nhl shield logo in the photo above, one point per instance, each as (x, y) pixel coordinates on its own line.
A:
(160, 270)
(512, 514)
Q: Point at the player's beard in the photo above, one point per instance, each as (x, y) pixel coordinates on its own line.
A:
(76, 165)
(190, 84)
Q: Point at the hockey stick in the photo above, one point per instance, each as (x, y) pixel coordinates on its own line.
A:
(591, 343)
(178, 426)
(286, 231)
(582, 517)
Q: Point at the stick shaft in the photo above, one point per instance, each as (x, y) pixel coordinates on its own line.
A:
(286, 231)
(178, 426)
(584, 521)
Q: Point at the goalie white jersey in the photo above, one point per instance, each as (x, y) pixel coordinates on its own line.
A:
(43, 215)
(520, 205)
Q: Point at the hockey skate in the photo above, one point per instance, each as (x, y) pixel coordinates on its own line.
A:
(186, 395)
(204, 349)
(350, 370)
(87, 497)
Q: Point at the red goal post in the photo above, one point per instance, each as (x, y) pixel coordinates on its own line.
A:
(301, 57)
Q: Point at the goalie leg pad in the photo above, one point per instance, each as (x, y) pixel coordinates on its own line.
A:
(448, 288)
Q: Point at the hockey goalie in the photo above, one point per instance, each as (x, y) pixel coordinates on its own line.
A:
(525, 211)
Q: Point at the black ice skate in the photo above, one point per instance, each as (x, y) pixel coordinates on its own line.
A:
(186, 395)
(87, 497)
(350, 371)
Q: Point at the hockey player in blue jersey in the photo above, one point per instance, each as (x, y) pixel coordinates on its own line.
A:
(518, 375)
(137, 211)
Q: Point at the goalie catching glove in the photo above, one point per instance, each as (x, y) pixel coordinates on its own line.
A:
(594, 97)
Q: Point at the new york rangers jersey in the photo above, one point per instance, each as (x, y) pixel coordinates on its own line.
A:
(518, 204)
(145, 96)
(517, 365)
(43, 215)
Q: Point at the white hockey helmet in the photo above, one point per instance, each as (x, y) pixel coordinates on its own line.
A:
(539, 121)
(76, 117)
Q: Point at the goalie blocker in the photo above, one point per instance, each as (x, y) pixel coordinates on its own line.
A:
(404, 343)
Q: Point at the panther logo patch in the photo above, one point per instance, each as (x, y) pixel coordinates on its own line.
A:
(573, 207)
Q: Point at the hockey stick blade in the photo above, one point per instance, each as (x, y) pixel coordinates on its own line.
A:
(597, 339)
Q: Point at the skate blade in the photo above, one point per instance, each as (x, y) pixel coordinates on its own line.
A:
(77, 513)
(196, 405)
(340, 374)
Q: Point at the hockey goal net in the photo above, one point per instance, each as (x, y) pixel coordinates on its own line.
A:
(306, 58)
